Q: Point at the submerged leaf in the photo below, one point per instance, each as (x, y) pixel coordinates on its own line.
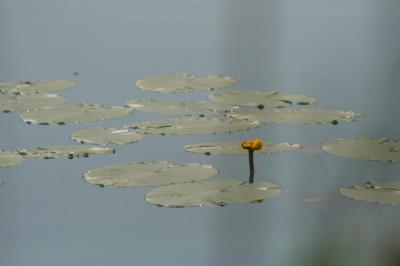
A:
(28, 102)
(71, 151)
(375, 192)
(148, 174)
(37, 86)
(83, 113)
(169, 107)
(212, 193)
(192, 126)
(183, 83)
(9, 158)
(288, 115)
(380, 150)
(260, 98)
(105, 136)
(234, 147)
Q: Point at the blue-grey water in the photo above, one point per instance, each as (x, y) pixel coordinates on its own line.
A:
(346, 53)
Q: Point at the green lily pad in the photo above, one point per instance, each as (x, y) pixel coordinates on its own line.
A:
(105, 136)
(27, 102)
(192, 126)
(375, 192)
(82, 113)
(168, 107)
(379, 150)
(289, 115)
(37, 86)
(70, 151)
(9, 158)
(257, 98)
(183, 83)
(212, 193)
(234, 147)
(148, 174)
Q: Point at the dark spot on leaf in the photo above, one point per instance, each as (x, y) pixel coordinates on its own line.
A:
(303, 103)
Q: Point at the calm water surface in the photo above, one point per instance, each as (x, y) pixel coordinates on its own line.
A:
(346, 53)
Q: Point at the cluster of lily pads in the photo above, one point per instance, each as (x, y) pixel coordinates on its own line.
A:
(223, 112)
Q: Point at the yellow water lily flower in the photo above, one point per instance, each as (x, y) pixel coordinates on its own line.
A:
(254, 145)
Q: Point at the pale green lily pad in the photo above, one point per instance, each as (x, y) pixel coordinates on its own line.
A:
(183, 83)
(212, 193)
(234, 147)
(375, 192)
(83, 113)
(379, 150)
(37, 86)
(192, 126)
(148, 174)
(260, 98)
(26, 102)
(169, 107)
(105, 136)
(289, 115)
(70, 151)
(9, 158)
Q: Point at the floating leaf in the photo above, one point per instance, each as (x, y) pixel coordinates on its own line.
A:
(168, 107)
(183, 83)
(380, 150)
(71, 151)
(260, 98)
(26, 102)
(192, 126)
(234, 147)
(148, 174)
(106, 136)
(211, 193)
(288, 115)
(82, 113)
(37, 86)
(9, 158)
(375, 192)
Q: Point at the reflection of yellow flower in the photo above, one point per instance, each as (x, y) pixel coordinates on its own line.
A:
(255, 144)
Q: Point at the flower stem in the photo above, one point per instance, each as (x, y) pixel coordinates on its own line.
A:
(251, 164)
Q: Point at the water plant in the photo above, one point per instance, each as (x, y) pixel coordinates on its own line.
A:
(251, 146)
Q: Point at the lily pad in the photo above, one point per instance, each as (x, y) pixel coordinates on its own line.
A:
(289, 115)
(9, 158)
(71, 151)
(257, 98)
(212, 193)
(105, 136)
(82, 113)
(375, 192)
(27, 102)
(192, 126)
(148, 174)
(37, 86)
(234, 147)
(169, 107)
(379, 150)
(183, 83)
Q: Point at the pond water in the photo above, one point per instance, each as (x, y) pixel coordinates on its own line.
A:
(344, 53)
